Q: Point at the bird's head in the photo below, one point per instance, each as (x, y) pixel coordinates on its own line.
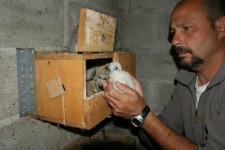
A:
(114, 66)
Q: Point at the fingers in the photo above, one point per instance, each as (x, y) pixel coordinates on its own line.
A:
(117, 111)
(124, 88)
(108, 86)
(112, 97)
(110, 92)
(126, 104)
(137, 84)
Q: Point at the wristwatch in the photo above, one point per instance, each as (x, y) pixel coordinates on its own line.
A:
(138, 120)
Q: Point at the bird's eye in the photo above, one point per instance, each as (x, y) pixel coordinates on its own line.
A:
(106, 68)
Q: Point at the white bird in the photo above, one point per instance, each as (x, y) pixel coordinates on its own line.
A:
(117, 74)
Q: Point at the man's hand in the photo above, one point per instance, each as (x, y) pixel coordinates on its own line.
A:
(127, 104)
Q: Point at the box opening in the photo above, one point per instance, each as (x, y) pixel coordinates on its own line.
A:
(96, 74)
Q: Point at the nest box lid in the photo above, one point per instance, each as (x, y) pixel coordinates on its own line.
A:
(96, 32)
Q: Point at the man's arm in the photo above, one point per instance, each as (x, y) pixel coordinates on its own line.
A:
(164, 136)
(131, 103)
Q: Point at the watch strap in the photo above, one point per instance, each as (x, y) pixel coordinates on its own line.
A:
(145, 112)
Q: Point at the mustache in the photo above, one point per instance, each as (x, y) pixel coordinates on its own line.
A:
(180, 49)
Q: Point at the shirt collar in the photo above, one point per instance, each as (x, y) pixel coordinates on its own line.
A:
(188, 78)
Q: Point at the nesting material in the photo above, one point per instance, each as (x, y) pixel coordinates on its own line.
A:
(95, 77)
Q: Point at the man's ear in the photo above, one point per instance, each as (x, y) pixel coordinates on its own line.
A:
(221, 27)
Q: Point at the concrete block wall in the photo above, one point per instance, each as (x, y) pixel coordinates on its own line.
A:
(31, 23)
(30, 134)
(144, 30)
(8, 86)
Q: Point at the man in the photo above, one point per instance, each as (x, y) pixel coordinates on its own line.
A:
(195, 116)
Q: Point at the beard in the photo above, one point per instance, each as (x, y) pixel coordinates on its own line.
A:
(191, 65)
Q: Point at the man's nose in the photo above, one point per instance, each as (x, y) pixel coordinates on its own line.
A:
(176, 39)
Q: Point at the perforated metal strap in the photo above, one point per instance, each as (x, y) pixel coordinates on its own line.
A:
(26, 81)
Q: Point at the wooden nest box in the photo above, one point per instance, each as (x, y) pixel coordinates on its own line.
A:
(61, 78)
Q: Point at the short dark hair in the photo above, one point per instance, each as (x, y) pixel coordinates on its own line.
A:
(215, 10)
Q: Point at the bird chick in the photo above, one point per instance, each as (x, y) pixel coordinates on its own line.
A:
(90, 73)
(95, 77)
(117, 74)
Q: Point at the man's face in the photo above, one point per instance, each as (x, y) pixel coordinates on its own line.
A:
(195, 42)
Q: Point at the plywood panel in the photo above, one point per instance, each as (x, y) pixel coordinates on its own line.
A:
(96, 32)
(127, 61)
(69, 56)
(47, 70)
(96, 110)
(71, 73)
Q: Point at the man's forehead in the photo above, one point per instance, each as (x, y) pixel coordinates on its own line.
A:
(189, 5)
(188, 8)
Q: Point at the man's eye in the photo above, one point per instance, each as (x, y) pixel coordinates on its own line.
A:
(186, 28)
(171, 34)
(171, 31)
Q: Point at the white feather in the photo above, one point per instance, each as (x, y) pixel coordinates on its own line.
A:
(117, 74)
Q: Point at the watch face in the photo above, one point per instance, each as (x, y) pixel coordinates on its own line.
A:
(137, 121)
